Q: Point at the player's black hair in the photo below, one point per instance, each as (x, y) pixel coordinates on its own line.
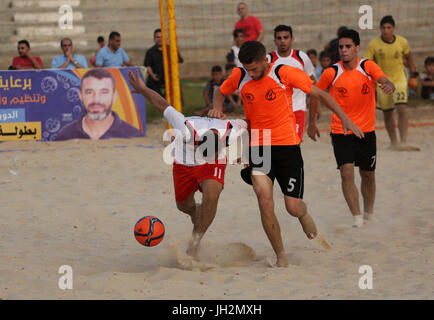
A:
(236, 32)
(99, 73)
(341, 29)
(251, 51)
(216, 69)
(387, 19)
(312, 51)
(209, 145)
(25, 42)
(352, 34)
(100, 39)
(114, 34)
(429, 60)
(156, 31)
(281, 28)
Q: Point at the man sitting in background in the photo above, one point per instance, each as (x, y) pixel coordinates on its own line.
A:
(25, 59)
(113, 55)
(68, 59)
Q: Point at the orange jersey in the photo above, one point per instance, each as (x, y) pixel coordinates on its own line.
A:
(268, 104)
(354, 91)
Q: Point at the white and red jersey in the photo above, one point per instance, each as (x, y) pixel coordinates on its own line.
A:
(300, 60)
(188, 130)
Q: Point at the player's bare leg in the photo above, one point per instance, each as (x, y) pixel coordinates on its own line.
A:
(403, 115)
(368, 192)
(389, 123)
(211, 190)
(297, 208)
(351, 194)
(263, 187)
(189, 206)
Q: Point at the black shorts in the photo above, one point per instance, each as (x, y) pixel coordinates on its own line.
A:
(283, 163)
(350, 149)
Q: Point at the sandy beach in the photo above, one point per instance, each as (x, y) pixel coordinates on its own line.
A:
(76, 202)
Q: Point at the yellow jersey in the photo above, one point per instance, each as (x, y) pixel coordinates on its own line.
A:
(389, 56)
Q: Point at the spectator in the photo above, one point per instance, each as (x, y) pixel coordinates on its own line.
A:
(98, 93)
(68, 59)
(208, 92)
(25, 59)
(101, 44)
(232, 56)
(113, 55)
(251, 25)
(427, 78)
(154, 64)
(332, 47)
(324, 61)
(313, 56)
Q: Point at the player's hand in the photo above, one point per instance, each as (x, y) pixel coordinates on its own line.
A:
(348, 125)
(136, 82)
(387, 87)
(213, 113)
(313, 131)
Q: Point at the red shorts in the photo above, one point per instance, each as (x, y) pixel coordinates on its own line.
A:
(187, 179)
(300, 122)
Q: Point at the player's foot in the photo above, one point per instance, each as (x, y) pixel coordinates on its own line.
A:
(282, 260)
(369, 217)
(406, 147)
(394, 147)
(358, 221)
(308, 225)
(193, 245)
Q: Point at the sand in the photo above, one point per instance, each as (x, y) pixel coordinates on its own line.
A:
(76, 202)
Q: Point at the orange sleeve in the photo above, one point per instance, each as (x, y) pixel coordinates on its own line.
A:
(374, 70)
(326, 79)
(231, 83)
(296, 78)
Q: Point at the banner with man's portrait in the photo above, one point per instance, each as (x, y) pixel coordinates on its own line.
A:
(37, 104)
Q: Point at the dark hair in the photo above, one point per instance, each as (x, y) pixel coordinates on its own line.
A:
(114, 34)
(99, 73)
(352, 34)
(429, 60)
(61, 41)
(323, 54)
(281, 28)
(205, 144)
(229, 66)
(100, 39)
(216, 69)
(251, 51)
(387, 19)
(342, 29)
(312, 51)
(25, 42)
(236, 32)
(156, 31)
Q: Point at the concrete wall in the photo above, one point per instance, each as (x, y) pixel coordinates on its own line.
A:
(204, 27)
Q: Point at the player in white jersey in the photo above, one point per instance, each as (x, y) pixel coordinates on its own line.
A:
(199, 159)
(284, 54)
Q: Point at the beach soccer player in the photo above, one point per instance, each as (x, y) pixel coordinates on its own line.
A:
(283, 39)
(352, 84)
(267, 105)
(199, 159)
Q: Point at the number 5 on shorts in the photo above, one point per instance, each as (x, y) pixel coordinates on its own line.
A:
(291, 184)
(374, 158)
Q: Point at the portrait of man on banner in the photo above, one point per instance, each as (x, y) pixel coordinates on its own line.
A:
(98, 121)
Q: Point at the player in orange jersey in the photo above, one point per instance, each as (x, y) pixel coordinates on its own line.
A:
(268, 106)
(352, 84)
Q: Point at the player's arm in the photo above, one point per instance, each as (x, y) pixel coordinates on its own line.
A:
(410, 62)
(386, 86)
(331, 104)
(153, 97)
(228, 86)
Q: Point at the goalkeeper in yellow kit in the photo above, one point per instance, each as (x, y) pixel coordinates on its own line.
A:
(390, 51)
